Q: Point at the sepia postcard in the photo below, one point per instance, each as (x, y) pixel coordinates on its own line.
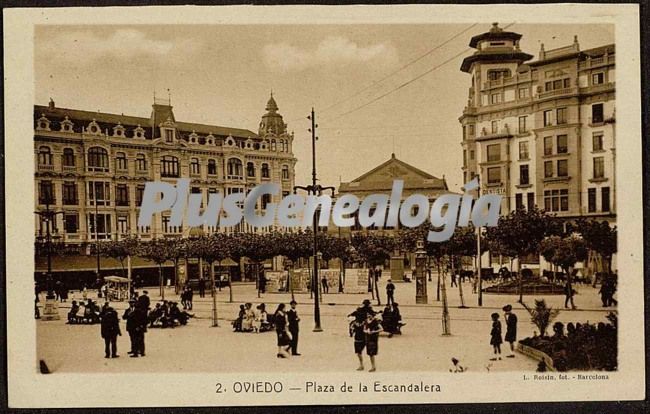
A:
(306, 205)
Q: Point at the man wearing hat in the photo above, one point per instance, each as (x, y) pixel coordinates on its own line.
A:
(294, 319)
(390, 292)
(511, 329)
(110, 329)
(130, 326)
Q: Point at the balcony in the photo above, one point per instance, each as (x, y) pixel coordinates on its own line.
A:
(45, 167)
(69, 168)
(558, 92)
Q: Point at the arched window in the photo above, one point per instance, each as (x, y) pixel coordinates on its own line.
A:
(141, 162)
(235, 168)
(285, 172)
(68, 157)
(282, 147)
(195, 167)
(265, 171)
(97, 159)
(212, 167)
(120, 161)
(272, 145)
(44, 156)
(169, 165)
(250, 169)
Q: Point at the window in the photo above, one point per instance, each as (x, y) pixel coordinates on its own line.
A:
(97, 159)
(122, 225)
(99, 192)
(169, 135)
(464, 158)
(68, 157)
(597, 141)
(524, 178)
(523, 150)
(121, 195)
(495, 127)
(265, 171)
(235, 168)
(44, 156)
(212, 167)
(548, 86)
(494, 175)
(471, 129)
(250, 169)
(562, 168)
(285, 172)
(519, 202)
(523, 93)
(471, 154)
(562, 144)
(522, 124)
(139, 193)
(599, 167)
(547, 118)
(556, 200)
(46, 193)
(557, 84)
(494, 152)
(71, 222)
(70, 193)
(141, 162)
(566, 82)
(596, 113)
(195, 167)
(531, 201)
(195, 190)
(548, 145)
(591, 200)
(548, 169)
(604, 199)
(560, 114)
(464, 132)
(99, 226)
(273, 145)
(266, 199)
(120, 161)
(598, 78)
(169, 165)
(495, 98)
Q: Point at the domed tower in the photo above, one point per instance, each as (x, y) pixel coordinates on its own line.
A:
(272, 122)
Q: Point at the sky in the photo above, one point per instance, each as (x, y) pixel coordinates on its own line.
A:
(368, 84)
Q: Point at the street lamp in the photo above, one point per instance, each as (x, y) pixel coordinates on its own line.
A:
(51, 311)
(420, 273)
(315, 189)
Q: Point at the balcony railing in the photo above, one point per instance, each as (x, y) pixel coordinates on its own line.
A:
(46, 167)
(557, 92)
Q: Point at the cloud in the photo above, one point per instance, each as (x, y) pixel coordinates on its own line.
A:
(331, 51)
(79, 45)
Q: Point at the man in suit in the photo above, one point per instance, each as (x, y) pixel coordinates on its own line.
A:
(129, 323)
(390, 292)
(511, 329)
(139, 326)
(294, 319)
(201, 287)
(144, 301)
(110, 329)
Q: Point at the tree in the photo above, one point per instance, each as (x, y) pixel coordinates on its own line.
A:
(177, 251)
(120, 249)
(294, 246)
(461, 243)
(157, 251)
(600, 238)
(519, 234)
(332, 247)
(565, 252)
(374, 250)
(408, 238)
(211, 249)
(541, 315)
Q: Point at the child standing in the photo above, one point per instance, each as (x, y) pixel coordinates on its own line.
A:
(495, 337)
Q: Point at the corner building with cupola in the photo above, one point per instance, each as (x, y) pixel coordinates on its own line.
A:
(91, 167)
(541, 132)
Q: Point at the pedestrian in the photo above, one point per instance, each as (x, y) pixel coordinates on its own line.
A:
(189, 298)
(202, 287)
(453, 279)
(371, 330)
(390, 292)
(110, 329)
(568, 295)
(130, 324)
(63, 292)
(511, 329)
(294, 320)
(284, 338)
(144, 301)
(356, 331)
(84, 293)
(326, 286)
(495, 337)
(139, 320)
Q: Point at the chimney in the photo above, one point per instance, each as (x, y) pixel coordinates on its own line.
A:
(50, 105)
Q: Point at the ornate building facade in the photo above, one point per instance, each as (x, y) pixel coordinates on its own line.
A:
(92, 167)
(541, 133)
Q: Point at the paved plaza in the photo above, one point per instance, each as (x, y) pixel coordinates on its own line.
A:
(198, 347)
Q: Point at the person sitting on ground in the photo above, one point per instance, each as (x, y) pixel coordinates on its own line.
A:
(248, 324)
(262, 319)
(155, 315)
(237, 323)
(387, 321)
(456, 367)
(397, 317)
(175, 314)
(90, 312)
(72, 315)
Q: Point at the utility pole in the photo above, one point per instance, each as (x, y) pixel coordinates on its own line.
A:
(478, 248)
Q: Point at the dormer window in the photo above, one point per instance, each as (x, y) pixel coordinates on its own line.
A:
(230, 141)
(66, 125)
(43, 124)
(209, 140)
(193, 137)
(169, 135)
(93, 128)
(138, 132)
(118, 130)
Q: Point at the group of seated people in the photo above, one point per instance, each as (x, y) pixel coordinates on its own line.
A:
(166, 314)
(391, 320)
(250, 320)
(90, 315)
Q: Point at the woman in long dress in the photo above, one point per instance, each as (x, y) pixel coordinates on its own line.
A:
(282, 331)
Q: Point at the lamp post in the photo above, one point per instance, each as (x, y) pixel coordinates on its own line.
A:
(420, 273)
(51, 311)
(315, 189)
(446, 326)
